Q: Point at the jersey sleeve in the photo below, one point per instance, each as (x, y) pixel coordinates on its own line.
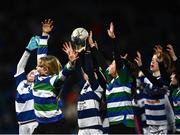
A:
(22, 63)
(42, 47)
(19, 78)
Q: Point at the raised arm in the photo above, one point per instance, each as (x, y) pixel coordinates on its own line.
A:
(98, 59)
(32, 45)
(47, 27)
(163, 59)
(175, 60)
(72, 56)
(89, 69)
(120, 61)
(171, 51)
(116, 52)
(159, 87)
(147, 72)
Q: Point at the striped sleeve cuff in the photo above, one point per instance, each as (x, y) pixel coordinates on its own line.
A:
(69, 66)
(43, 40)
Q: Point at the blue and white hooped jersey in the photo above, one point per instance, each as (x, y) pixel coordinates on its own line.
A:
(88, 108)
(154, 107)
(139, 101)
(105, 125)
(24, 102)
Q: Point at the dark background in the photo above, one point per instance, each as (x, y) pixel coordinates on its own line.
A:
(139, 26)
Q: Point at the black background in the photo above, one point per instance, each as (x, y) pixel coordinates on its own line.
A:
(139, 26)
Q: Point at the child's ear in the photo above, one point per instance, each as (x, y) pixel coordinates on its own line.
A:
(46, 70)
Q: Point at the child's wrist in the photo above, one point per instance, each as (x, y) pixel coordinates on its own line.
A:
(174, 58)
(92, 45)
(113, 36)
(70, 65)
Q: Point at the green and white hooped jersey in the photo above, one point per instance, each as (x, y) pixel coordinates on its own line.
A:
(176, 107)
(47, 106)
(118, 98)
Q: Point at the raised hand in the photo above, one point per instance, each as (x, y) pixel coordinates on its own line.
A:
(124, 57)
(67, 48)
(91, 42)
(96, 45)
(111, 30)
(159, 51)
(138, 59)
(72, 55)
(47, 26)
(170, 49)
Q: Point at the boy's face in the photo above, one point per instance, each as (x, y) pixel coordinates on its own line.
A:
(42, 70)
(112, 69)
(154, 64)
(30, 76)
(173, 79)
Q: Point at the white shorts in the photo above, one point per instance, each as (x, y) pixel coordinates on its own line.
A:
(90, 132)
(28, 128)
(145, 130)
(157, 130)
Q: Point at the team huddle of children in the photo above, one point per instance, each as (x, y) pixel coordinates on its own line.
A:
(121, 98)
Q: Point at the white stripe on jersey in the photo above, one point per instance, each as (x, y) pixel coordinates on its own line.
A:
(99, 91)
(27, 106)
(119, 104)
(43, 93)
(143, 117)
(21, 89)
(43, 41)
(87, 104)
(47, 114)
(41, 55)
(52, 80)
(130, 116)
(148, 82)
(138, 103)
(84, 91)
(134, 103)
(105, 123)
(154, 122)
(119, 89)
(68, 65)
(155, 102)
(120, 117)
(141, 102)
(90, 132)
(155, 112)
(177, 103)
(61, 76)
(86, 122)
(177, 116)
(18, 73)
